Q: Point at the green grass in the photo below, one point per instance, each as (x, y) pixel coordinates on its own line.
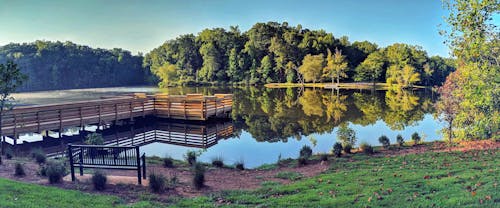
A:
(293, 176)
(454, 179)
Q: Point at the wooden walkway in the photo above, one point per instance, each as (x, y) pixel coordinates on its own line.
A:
(38, 118)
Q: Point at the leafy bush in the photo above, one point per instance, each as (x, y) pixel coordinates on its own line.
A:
(400, 140)
(198, 176)
(168, 162)
(323, 157)
(366, 148)
(191, 157)
(157, 182)
(337, 149)
(302, 161)
(347, 148)
(218, 162)
(55, 170)
(19, 170)
(384, 140)
(94, 139)
(240, 165)
(39, 155)
(305, 152)
(99, 180)
(416, 138)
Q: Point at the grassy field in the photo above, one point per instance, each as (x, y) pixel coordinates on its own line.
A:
(454, 179)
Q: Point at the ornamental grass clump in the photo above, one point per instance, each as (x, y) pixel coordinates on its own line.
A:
(191, 157)
(218, 162)
(99, 180)
(55, 170)
(19, 170)
(384, 140)
(337, 149)
(198, 176)
(168, 162)
(400, 140)
(416, 138)
(366, 148)
(157, 182)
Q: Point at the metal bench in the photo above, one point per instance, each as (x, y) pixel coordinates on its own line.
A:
(107, 157)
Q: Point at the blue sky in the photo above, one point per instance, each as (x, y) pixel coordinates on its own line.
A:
(140, 26)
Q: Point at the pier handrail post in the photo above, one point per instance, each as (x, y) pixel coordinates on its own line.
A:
(139, 177)
(143, 157)
(72, 167)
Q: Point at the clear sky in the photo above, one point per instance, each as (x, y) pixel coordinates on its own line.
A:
(141, 25)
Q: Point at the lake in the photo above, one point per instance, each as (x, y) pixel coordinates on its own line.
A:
(265, 124)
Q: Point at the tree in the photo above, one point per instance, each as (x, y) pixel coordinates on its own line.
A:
(11, 78)
(265, 69)
(336, 66)
(428, 71)
(210, 62)
(404, 77)
(311, 67)
(167, 74)
(371, 68)
(448, 105)
(474, 39)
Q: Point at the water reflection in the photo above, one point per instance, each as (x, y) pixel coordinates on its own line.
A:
(267, 123)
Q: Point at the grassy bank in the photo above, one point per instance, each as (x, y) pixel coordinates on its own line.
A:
(417, 180)
(353, 85)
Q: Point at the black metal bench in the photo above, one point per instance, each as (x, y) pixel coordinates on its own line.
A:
(107, 157)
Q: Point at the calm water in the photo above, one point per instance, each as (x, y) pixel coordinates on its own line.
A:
(265, 123)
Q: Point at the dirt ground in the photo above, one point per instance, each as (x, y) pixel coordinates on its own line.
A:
(123, 183)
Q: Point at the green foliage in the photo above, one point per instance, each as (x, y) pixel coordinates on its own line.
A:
(346, 135)
(218, 162)
(305, 152)
(39, 155)
(323, 157)
(19, 170)
(190, 157)
(301, 161)
(240, 165)
(59, 65)
(347, 148)
(11, 78)
(198, 175)
(337, 149)
(99, 180)
(157, 182)
(400, 140)
(311, 67)
(336, 65)
(366, 148)
(94, 139)
(472, 35)
(55, 170)
(384, 140)
(168, 162)
(416, 138)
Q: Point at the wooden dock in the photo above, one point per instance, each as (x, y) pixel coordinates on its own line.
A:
(38, 118)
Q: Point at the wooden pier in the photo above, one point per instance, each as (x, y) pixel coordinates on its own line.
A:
(38, 118)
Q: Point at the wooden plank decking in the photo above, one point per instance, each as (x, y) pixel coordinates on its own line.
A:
(29, 119)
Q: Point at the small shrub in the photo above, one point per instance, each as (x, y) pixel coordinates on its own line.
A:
(157, 182)
(168, 162)
(9, 154)
(39, 155)
(347, 148)
(323, 157)
(305, 152)
(99, 180)
(337, 149)
(384, 140)
(400, 140)
(94, 139)
(19, 170)
(366, 148)
(198, 176)
(191, 157)
(55, 171)
(240, 165)
(218, 162)
(416, 138)
(302, 161)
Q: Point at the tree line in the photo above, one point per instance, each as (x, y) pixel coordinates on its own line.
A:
(65, 65)
(277, 52)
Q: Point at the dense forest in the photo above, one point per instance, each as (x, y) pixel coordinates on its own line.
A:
(274, 52)
(57, 65)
